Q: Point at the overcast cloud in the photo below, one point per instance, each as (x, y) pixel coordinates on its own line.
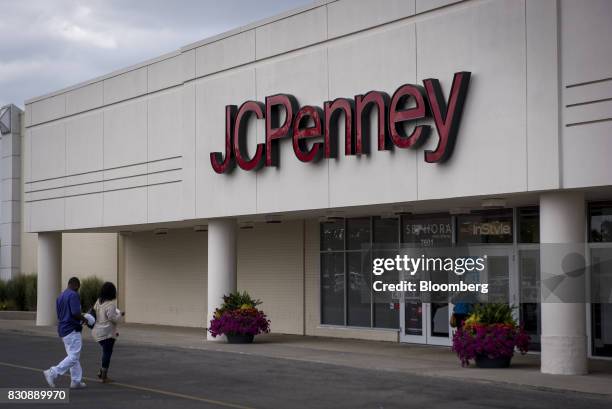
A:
(46, 45)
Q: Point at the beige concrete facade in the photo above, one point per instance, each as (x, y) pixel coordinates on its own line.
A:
(132, 147)
(271, 268)
(165, 278)
(89, 254)
(83, 254)
(166, 275)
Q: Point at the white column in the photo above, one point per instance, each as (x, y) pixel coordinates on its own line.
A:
(10, 218)
(562, 237)
(221, 264)
(49, 277)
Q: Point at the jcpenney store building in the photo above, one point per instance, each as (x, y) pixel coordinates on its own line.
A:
(265, 158)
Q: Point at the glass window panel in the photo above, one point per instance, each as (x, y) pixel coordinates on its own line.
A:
(600, 222)
(358, 234)
(332, 288)
(601, 306)
(386, 304)
(427, 230)
(498, 278)
(332, 235)
(386, 233)
(386, 315)
(529, 276)
(414, 318)
(439, 320)
(358, 289)
(485, 227)
(529, 225)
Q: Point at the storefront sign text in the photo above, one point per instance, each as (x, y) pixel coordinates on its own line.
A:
(320, 126)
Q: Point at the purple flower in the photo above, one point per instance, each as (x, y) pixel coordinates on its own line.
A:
(242, 321)
(492, 340)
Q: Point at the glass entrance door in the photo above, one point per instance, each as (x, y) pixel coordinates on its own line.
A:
(425, 323)
(429, 322)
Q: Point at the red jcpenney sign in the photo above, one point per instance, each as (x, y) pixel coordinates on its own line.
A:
(319, 126)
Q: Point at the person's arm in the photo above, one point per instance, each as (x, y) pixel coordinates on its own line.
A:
(75, 308)
(112, 315)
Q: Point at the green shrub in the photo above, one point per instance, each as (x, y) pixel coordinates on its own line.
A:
(90, 291)
(493, 314)
(237, 300)
(31, 282)
(20, 293)
(16, 292)
(2, 291)
(8, 305)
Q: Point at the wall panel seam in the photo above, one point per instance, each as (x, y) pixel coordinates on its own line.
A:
(104, 191)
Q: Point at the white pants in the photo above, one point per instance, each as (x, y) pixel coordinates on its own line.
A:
(72, 343)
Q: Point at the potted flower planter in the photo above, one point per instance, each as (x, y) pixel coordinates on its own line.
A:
(238, 319)
(490, 337)
(240, 338)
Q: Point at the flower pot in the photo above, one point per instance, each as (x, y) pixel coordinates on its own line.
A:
(240, 339)
(483, 361)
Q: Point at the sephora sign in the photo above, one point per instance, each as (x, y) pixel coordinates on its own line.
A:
(314, 131)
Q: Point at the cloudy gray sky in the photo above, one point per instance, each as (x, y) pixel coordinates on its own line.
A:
(46, 45)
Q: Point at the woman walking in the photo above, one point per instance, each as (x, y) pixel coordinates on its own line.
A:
(105, 328)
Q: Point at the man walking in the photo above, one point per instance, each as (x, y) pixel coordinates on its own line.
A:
(69, 328)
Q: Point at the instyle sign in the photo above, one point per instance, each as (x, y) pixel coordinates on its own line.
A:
(409, 104)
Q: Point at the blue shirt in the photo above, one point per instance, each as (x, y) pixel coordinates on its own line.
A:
(462, 308)
(67, 305)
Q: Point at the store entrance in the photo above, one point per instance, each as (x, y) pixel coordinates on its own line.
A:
(429, 322)
(425, 323)
(509, 238)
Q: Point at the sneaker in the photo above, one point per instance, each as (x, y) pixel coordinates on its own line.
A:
(78, 385)
(49, 378)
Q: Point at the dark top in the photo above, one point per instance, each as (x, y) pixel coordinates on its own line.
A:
(67, 305)
(462, 308)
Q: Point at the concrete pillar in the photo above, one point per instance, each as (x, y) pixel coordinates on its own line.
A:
(10, 215)
(221, 263)
(121, 271)
(562, 237)
(49, 277)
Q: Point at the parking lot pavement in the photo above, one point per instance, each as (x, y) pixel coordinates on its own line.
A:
(164, 377)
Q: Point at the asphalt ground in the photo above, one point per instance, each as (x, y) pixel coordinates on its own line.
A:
(154, 377)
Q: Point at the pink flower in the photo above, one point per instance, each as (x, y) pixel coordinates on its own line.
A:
(492, 340)
(242, 321)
